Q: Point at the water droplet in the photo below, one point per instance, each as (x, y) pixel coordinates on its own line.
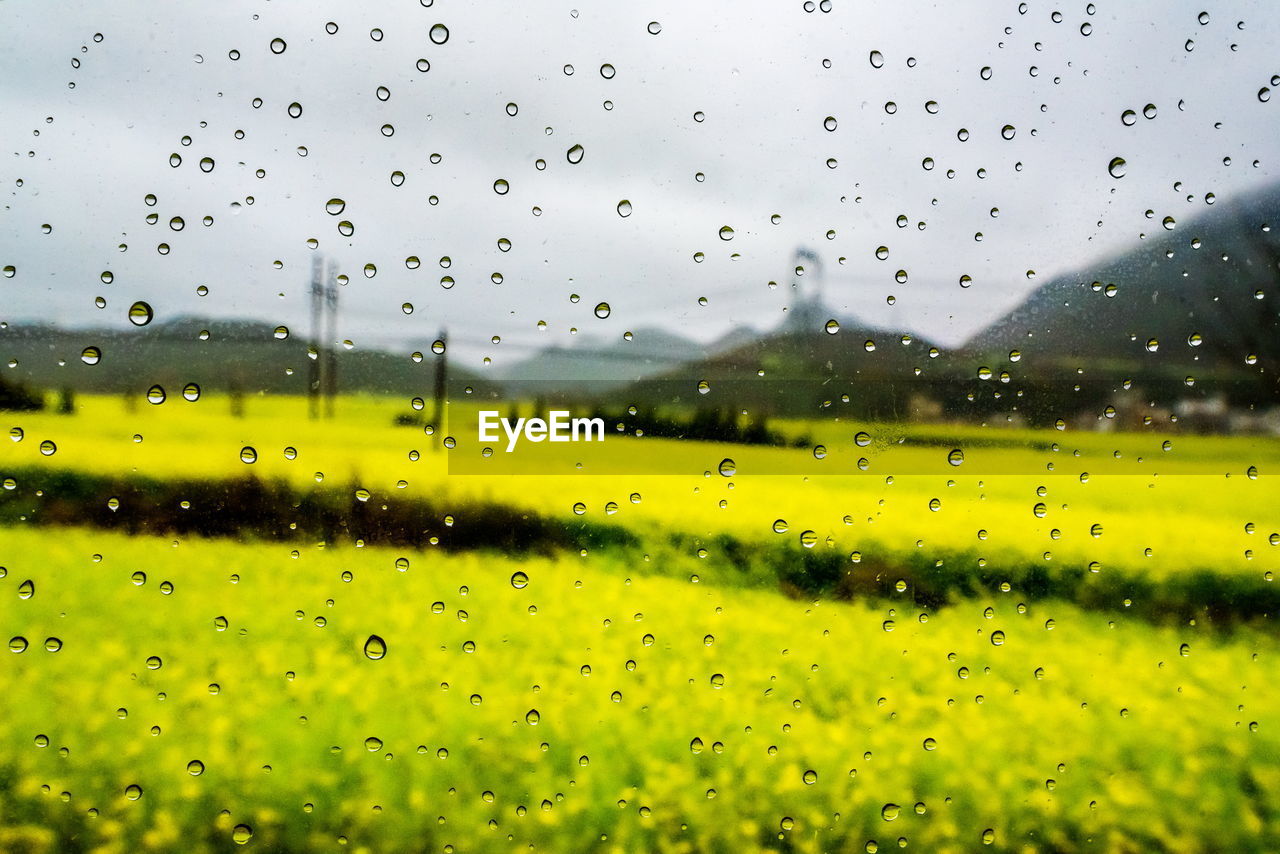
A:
(862, 439)
(780, 526)
(602, 310)
(295, 110)
(501, 187)
(191, 392)
(195, 767)
(728, 467)
(726, 233)
(820, 452)
(1116, 167)
(574, 154)
(241, 834)
(624, 208)
(26, 589)
(654, 28)
(335, 206)
(532, 717)
(809, 777)
(91, 355)
(206, 164)
(156, 395)
(140, 313)
(997, 638)
(278, 45)
(890, 811)
(133, 792)
(519, 580)
(248, 455)
(439, 34)
(829, 123)
(17, 644)
(877, 59)
(607, 71)
(375, 648)
(955, 457)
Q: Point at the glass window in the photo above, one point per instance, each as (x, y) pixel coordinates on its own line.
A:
(803, 426)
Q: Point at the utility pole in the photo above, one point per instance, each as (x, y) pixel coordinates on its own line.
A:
(442, 377)
(313, 353)
(330, 354)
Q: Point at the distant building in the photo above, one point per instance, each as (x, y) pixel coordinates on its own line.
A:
(1265, 423)
(924, 408)
(1204, 415)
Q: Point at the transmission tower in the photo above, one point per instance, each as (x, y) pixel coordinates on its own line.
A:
(330, 353)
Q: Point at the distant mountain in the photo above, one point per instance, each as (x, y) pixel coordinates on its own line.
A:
(593, 366)
(736, 337)
(216, 354)
(1200, 301)
(803, 367)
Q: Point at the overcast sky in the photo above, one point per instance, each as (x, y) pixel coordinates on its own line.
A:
(82, 147)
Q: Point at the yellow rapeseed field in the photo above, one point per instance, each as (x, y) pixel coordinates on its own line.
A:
(203, 689)
(175, 692)
(1109, 499)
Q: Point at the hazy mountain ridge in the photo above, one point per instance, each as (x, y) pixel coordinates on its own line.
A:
(241, 355)
(611, 364)
(1163, 307)
(1198, 301)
